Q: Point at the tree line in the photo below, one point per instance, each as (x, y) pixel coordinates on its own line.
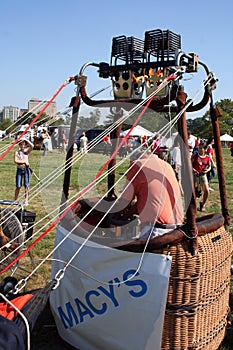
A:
(200, 126)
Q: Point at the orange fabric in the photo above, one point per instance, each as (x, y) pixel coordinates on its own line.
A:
(7, 311)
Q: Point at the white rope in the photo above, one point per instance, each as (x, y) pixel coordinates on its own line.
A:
(100, 179)
(56, 209)
(50, 178)
(168, 129)
(92, 232)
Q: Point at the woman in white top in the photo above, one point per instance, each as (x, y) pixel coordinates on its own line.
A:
(22, 172)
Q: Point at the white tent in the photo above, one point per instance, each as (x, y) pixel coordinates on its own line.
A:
(226, 138)
(139, 131)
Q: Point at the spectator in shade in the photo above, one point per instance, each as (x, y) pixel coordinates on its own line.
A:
(210, 151)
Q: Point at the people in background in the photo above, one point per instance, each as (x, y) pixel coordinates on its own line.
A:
(176, 160)
(155, 146)
(108, 144)
(46, 139)
(23, 171)
(210, 151)
(64, 141)
(201, 165)
(231, 149)
(83, 143)
(54, 138)
(144, 141)
(196, 147)
(191, 143)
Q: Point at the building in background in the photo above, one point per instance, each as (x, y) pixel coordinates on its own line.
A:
(51, 111)
(23, 111)
(11, 113)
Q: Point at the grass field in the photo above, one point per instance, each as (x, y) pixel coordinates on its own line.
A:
(45, 198)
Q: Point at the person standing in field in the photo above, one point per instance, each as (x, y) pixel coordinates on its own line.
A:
(64, 141)
(23, 172)
(83, 143)
(201, 165)
(210, 151)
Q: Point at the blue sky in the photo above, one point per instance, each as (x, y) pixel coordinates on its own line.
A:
(44, 42)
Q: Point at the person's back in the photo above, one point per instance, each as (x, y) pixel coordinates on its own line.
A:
(157, 191)
(83, 143)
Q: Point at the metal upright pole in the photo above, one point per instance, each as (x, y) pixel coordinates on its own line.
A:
(187, 175)
(115, 141)
(215, 114)
(75, 103)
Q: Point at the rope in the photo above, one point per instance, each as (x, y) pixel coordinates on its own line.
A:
(55, 173)
(53, 225)
(36, 118)
(119, 164)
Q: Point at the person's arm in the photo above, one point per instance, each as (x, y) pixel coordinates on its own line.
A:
(211, 158)
(208, 168)
(31, 146)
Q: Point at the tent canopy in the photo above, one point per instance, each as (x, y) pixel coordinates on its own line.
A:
(226, 138)
(139, 131)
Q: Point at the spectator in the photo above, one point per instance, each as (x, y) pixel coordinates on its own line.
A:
(155, 147)
(210, 151)
(232, 149)
(191, 143)
(176, 159)
(23, 173)
(64, 141)
(201, 165)
(83, 143)
(144, 141)
(46, 139)
(54, 138)
(108, 144)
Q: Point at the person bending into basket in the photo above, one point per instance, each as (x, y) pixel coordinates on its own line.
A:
(23, 172)
(201, 165)
(152, 186)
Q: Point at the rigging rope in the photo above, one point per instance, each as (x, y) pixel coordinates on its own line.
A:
(161, 131)
(81, 194)
(53, 225)
(37, 117)
(44, 183)
(61, 272)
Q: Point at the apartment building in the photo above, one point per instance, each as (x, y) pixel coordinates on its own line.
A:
(10, 112)
(33, 103)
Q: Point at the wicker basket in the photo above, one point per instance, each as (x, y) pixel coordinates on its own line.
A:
(198, 295)
(199, 285)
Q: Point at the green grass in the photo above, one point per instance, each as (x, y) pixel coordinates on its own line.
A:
(83, 172)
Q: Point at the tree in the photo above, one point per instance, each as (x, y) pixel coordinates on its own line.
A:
(226, 121)
(202, 126)
(91, 122)
(6, 124)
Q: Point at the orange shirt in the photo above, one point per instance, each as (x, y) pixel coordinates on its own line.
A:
(156, 189)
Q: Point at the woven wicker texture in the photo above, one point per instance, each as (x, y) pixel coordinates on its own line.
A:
(12, 227)
(198, 296)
